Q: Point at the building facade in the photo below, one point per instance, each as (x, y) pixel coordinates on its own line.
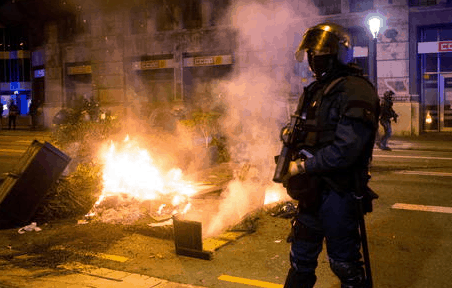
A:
(154, 51)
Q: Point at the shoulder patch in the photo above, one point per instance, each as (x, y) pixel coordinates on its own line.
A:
(361, 100)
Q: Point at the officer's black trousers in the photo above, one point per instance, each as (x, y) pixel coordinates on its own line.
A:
(335, 221)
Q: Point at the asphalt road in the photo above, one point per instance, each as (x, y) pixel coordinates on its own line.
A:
(410, 232)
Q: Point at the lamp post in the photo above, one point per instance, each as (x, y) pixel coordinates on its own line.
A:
(374, 23)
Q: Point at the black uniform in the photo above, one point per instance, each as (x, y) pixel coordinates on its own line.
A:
(387, 114)
(341, 110)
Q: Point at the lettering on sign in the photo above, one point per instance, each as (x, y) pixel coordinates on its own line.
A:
(152, 64)
(208, 60)
(203, 61)
(76, 70)
(445, 46)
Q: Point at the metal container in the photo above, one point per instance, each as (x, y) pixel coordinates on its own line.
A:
(25, 187)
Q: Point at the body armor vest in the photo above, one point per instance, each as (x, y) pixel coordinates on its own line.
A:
(321, 107)
(321, 112)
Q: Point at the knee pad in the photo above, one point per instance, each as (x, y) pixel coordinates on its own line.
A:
(299, 279)
(351, 274)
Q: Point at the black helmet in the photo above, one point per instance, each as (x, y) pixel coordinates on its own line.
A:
(326, 38)
(388, 95)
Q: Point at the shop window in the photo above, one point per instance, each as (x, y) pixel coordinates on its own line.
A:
(14, 77)
(445, 60)
(431, 62)
(429, 35)
(414, 3)
(361, 5)
(328, 7)
(445, 34)
(137, 20)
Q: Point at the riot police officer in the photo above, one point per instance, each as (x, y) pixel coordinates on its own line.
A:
(387, 114)
(339, 118)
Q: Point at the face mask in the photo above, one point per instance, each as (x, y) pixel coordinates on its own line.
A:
(320, 64)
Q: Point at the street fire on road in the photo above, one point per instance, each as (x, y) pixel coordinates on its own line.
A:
(135, 187)
(131, 174)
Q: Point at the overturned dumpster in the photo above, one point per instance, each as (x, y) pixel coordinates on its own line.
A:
(25, 187)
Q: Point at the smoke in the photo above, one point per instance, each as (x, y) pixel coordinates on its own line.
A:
(257, 101)
(255, 97)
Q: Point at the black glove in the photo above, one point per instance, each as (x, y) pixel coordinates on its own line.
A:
(295, 167)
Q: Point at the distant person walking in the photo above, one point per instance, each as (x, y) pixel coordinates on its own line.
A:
(12, 116)
(387, 113)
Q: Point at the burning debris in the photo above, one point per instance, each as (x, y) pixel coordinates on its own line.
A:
(134, 187)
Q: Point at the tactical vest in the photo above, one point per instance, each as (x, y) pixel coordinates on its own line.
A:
(322, 105)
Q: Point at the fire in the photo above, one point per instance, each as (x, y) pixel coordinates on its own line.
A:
(130, 170)
(275, 193)
(131, 177)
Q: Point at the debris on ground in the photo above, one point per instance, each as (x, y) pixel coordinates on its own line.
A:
(284, 210)
(29, 228)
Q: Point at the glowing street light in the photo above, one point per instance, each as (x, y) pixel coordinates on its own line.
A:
(375, 23)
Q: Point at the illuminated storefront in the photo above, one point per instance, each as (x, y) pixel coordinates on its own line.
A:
(435, 62)
(78, 83)
(200, 74)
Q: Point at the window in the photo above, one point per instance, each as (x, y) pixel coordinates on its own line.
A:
(414, 3)
(431, 62)
(167, 18)
(429, 35)
(361, 5)
(363, 62)
(192, 14)
(360, 38)
(137, 20)
(445, 34)
(83, 24)
(445, 60)
(328, 7)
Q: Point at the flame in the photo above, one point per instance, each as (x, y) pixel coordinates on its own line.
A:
(428, 119)
(129, 169)
(275, 193)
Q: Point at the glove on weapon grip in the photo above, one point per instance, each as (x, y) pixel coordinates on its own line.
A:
(284, 158)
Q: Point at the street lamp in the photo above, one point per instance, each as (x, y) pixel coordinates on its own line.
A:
(374, 23)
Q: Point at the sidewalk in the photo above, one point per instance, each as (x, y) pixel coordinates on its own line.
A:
(23, 122)
(427, 141)
(79, 275)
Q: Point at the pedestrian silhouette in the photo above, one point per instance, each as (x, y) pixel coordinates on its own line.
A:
(12, 116)
(387, 114)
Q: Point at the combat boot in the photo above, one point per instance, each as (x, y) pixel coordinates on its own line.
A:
(299, 279)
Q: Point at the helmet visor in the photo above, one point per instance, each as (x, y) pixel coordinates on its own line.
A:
(319, 41)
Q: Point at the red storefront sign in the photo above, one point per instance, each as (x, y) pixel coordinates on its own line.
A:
(445, 46)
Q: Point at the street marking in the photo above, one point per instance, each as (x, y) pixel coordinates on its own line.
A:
(251, 282)
(92, 254)
(426, 208)
(12, 150)
(426, 173)
(411, 157)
